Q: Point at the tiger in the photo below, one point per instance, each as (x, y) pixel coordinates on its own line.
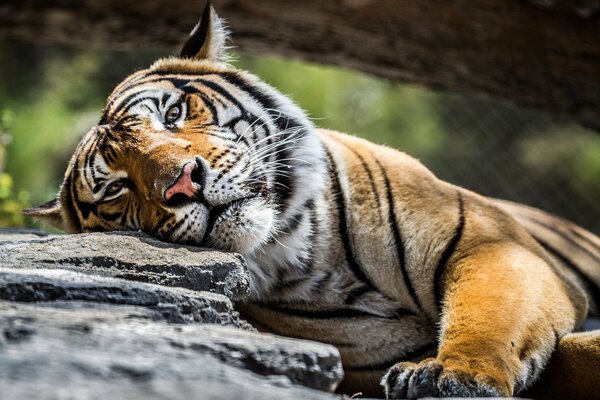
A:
(426, 288)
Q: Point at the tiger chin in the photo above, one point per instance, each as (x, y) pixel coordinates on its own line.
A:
(426, 288)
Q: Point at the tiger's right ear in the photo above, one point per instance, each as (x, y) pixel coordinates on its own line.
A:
(49, 213)
(207, 39)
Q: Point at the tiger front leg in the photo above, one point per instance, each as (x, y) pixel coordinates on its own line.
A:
(503, 311)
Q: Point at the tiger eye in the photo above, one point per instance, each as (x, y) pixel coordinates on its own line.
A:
(173, 114)
(114, 188)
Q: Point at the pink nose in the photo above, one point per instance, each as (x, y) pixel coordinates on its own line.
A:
(184, 184)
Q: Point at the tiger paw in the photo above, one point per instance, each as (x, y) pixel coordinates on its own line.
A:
(431, 378)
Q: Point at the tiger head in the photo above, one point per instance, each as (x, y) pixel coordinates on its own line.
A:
(192, 151)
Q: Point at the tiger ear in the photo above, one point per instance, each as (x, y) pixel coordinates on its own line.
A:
(207, 39)
(49, 213)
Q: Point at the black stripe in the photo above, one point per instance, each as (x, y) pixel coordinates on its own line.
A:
(287, 284)
(589, 285)
(305, 263)
(245, 115)
(111, 217)
(211, 107)
(115, 96)
(165, 97)
(175, 79)
(369, 175)
(293, 223)
(284, 186)
(161, 223)
(450, 248)
(264, 99)
(124, 104)
(322, 284)
(86, 208)
(584, 238)
(393, 223)
(90, 155)
(145, 78)
(556, 229)
(221, 91)
(134, 103)
(109, 153)
(177, 225)
(249, 119)
(69, 206)
(113, 107)
(415, 355)
(267, 101)
(344, 313)
(355, 294)
(131, 223)
(309, 261)
(71, 196)
(342, 224)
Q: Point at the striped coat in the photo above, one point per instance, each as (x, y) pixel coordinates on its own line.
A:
(424, 287)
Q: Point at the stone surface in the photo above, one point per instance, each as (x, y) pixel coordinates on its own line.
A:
(82, 350)
(128, 255)
(169, 304)
(97, 316)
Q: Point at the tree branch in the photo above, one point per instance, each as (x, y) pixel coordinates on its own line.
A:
(542, 54)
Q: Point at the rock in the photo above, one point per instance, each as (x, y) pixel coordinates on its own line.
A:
(129, 255)
(19, 235)
(71, 326)
(165, 303)
(308, 363)
(66, 350)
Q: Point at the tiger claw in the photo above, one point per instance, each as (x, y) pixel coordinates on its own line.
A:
(430, 378)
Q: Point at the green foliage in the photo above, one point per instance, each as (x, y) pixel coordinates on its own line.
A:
(570, 156)
(11, 203)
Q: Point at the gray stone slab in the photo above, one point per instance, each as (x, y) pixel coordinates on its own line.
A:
(176, 305)
(86, 350)
(128, 255)
(125, 316)
(19, 235)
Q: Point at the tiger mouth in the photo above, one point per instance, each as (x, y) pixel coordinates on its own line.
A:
(217, 212)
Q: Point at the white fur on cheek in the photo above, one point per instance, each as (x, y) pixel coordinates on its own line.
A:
(244, 227)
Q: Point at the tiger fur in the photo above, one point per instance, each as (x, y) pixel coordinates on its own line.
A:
(423, 286)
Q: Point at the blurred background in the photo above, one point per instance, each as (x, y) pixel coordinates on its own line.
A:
(51, 95)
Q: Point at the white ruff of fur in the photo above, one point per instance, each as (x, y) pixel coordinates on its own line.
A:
(308, 172)
(244, 228)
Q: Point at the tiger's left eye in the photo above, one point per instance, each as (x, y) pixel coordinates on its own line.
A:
(173, 114)
(114, 188)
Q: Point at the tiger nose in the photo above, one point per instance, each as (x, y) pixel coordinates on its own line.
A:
(188, 184)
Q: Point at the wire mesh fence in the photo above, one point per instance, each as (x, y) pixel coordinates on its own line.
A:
(50, 95)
